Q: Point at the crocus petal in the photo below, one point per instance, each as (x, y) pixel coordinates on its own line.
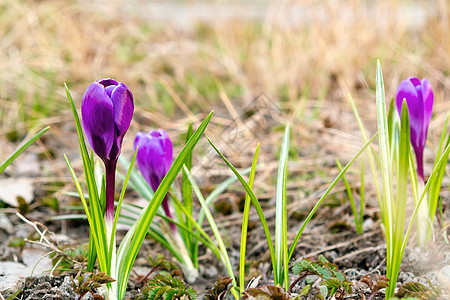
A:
(123, 107)
(107, 82)
(154, 156)
(149, 160)
(168, 152)
(414, 80)
(428, 99)
(109, 90)
(98, 119)
(408, 91)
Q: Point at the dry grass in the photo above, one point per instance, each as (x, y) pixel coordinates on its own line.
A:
(303, 56)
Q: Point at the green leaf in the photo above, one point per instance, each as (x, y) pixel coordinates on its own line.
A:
(215, 229)
(245, 217)
(325, 194)
(134, 238)
(254, 202)
(21, 149)
(281, 247)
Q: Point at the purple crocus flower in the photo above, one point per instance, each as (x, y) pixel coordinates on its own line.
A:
(419, 99)
(107, 108)
(154, 158)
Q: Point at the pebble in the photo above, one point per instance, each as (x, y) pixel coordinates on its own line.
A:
(444, 277)
(11, 278)
(12, 274)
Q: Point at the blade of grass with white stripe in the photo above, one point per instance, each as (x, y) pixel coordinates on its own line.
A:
(245, 216)
(215, 229)
(436, 184)
(440, 164)
(358, 221)
(22, 148)
(325, 194)
(385, 160)
(96, 225)
(186, 192)
(370, 155)
(136, 235)
(281, 246)
(393, 266)
(362, 202)
(211, 197)
(255, 203)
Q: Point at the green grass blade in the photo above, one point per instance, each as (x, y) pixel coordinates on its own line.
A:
(245, 216)
(350, 197)
(361, 197)
(280, 211)
(199, 233)
(440, 164)
(186, 189)
(22, 148)
(401, 198)
(371, 155)
(325, 194)
(255, 203)
(209, 200)
(137, 235)
(436, 184)
(213, 225)
(386, 167)
(216, 192)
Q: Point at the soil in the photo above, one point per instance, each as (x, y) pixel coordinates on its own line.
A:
(355, 255)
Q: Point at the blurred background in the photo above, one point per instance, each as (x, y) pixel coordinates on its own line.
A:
(295, 60)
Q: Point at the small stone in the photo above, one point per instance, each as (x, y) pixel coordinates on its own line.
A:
(67, 289)
(5, 223)
(36, 259)
(11, 283)
(444, 277)
(12, 188)
(209, 272)
(88, 296)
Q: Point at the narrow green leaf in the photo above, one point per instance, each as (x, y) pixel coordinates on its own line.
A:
(21, 149)
(350, 197)
(245, 217)
(386, 166)
(281, 213)
(213, 225)
(401, 198)
(254, 202)
(325, 194)
(137, 235)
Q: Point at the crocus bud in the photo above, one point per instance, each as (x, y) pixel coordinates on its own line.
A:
(154, 156)
(107, 108)
(419, 99)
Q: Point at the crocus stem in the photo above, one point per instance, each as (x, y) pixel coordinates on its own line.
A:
(419, 158)
(109, 192)
(165, 205)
